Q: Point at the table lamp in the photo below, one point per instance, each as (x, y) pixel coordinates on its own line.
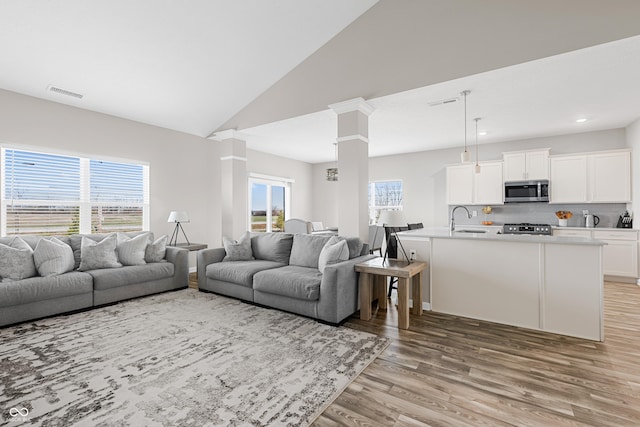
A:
(178, 217)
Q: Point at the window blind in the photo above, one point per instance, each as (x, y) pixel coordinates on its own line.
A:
(45, 193)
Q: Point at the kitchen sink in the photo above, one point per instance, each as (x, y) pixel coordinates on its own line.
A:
(471, 231)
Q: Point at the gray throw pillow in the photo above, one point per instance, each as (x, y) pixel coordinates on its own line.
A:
(53, 257)
(238, 250)
(156, 251)
(131, 250)
(16, 260)
(306, 249)
(355, 246)
(94, 255)
(335, 250)
(272, 246)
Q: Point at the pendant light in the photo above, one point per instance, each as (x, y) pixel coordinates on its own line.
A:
(477, 168)
(332, 173)
(464, 156)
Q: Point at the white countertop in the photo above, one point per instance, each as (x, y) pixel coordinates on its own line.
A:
(444, 233)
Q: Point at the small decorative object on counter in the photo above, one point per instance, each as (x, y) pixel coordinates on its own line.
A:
(563, 217)
(486, 211)
(625, 221)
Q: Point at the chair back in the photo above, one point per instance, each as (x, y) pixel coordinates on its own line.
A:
(392, 243)
(376, 236)
(297, 226)
(415, 226)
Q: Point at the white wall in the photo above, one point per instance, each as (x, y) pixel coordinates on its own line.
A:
(423, 173)
(184, 169)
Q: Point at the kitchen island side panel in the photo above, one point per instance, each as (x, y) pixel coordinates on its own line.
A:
(572, 292)
(487, 280)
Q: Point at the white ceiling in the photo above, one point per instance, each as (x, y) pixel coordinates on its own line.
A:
(533, 99)
(187, 66)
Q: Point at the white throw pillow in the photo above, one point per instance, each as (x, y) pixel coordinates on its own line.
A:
(156, 251)
(94, 255)
(53, 257)
(335, 250)
(131, 250)
(16, 260)
(238, 250)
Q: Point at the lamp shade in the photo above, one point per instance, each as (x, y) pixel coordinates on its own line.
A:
(392, 218)
(178, 216)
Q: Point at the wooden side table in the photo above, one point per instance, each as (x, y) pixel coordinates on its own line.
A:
(373, 276)
(190, 246)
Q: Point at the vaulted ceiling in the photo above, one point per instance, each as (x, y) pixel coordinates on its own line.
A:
(270, 68)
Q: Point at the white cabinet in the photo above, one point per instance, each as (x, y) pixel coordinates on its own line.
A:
(601, 177)
(568, 179)
(465, 187)
(620, 254)
(526, 165)
(610, 177)
(460, 184)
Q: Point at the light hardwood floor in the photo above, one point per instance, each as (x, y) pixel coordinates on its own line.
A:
(451, 371)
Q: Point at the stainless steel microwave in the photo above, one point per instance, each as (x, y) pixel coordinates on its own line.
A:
(526, 191)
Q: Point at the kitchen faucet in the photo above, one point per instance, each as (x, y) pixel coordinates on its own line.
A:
(452, 225)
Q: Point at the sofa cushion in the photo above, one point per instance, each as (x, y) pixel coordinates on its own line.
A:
(16, 260)
(156, 251)
(131, 250)
(97, 255)
(290, 281)
(274, 247)
(33, 239)
(306, 249)
(239, 272)
(335, 250)
(115, 277)
(53, 257)
(75, 241)
(44, 288)
(238, 250)
(355, 246)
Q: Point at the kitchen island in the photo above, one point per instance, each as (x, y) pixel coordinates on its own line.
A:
(547, 283)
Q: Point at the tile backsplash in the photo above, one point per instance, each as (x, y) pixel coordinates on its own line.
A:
(543, 213)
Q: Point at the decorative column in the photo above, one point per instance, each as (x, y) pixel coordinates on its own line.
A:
(233, 178)
(353, 167)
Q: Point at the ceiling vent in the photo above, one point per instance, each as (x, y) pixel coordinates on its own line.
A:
(61, 91)
(444, 102)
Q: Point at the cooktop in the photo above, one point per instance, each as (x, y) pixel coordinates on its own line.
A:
(527, 228)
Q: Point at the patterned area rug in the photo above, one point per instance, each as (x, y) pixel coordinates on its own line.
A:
(183, 358)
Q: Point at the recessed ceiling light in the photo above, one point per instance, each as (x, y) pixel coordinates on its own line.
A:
(483, 133)
(581, 120)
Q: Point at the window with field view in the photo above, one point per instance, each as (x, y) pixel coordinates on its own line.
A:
(384, 195)
(269, 202)
(44, 193)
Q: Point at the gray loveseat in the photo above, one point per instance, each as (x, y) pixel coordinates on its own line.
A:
(37, 297)
(285, 275)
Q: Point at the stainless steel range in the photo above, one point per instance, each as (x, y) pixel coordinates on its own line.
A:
(526, 228)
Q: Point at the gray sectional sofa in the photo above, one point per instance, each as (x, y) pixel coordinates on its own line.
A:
(37, 297)
(284, 274)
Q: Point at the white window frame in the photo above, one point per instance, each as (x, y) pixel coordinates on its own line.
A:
(85, 205)
(373, 208)
(269, 181)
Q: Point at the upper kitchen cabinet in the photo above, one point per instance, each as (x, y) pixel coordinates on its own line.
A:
(465, 187)
(601, 177)
(568, 179)
(610, 176)
(526, 165)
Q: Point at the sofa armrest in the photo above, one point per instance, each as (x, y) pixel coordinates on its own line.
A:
(339, 290)
(205, 257)
(179, 257)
